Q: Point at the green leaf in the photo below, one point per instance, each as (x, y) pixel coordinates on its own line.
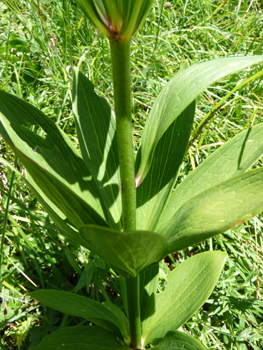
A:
(96, 128)
(65, 229)
(215, 210)
(148, 284)
(189, 286)
(157, 186)
(55, 153)
(75, 208)
(176, 340)
(121, 320)
(57, 216)
(63, 226)
(81, 338)
(91, 310)
(178, 94)
(129, 253)
(231, 159)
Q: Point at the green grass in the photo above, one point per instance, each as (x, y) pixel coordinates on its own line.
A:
(39, 47)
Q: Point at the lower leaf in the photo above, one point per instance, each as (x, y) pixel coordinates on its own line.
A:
(81, 338)
(179, 341)
(108, 317)
(189, 286)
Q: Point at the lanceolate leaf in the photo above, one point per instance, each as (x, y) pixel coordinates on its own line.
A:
(216, 210)
(96, 130)
(189, 285)
(148, 284)
(80, 306)
(54, 153)
(134, 14)
(75, 208)
(81, 338)
(120, 319)
(57, 216)
(156, 188)
(65, 229)
(176, 340)
(178, 94)
(233, 158)
(129, 253)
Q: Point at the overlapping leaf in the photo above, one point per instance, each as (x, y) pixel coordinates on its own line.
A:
(81, 338)
(215, 210)
(129, 253)
(74, 207)
(56, 155)
(176, 340)
(80, 306)
(57, 216)
(153, 193)
(189, 285)
(178, 94)
(233, 158)
(148, 284)
(116, 18)
(96, 129)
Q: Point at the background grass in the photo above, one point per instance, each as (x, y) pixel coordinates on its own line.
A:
(40, 43)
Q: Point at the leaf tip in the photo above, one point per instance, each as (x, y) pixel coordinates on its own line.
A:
(138, 180)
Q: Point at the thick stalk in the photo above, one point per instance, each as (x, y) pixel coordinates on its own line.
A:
(121, 72)
(133, 296)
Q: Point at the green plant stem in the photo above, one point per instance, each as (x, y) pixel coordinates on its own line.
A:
(121, 72)
(133, 297)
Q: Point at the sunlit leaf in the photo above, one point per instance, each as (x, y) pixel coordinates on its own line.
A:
(189, 285)
(74, 207)
(178, 94)
(231, 159)
(176, 340)
(216, 210)
(129, 253)
(53, 152)
(96, 130)
(153, 193)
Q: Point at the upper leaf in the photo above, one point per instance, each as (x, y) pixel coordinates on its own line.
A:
(178, 94)
(215, 210)
(188, 287)
(57, 216)
(233, 158)
(96, 128)
(129, 253)
(74, 207)
(116, 19)
(55, 154)
(155, 190)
